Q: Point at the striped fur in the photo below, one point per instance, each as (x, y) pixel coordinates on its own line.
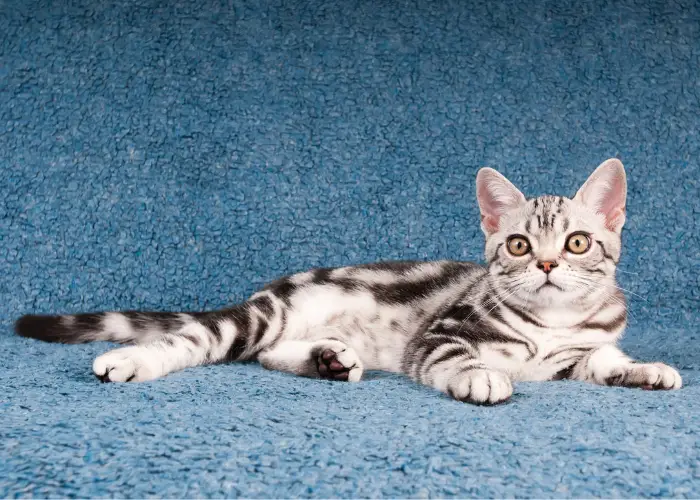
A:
(464, 329)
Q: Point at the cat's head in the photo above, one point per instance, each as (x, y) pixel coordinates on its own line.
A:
(554, 250)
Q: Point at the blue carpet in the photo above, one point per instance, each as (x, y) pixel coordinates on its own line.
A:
(177, 154)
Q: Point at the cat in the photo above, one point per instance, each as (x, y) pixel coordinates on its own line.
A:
(545, 307)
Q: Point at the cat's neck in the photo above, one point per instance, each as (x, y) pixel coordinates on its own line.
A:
(554, 313)
(557, 316)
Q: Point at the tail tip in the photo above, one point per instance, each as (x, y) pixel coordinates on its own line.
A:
(36, 327)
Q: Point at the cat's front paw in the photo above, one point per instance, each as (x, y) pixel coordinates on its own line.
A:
(481, 386)
(651, 376)
(128, 364)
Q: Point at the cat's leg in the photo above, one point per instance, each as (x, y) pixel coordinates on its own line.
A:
(467, 379)
(325, 358)
(455, 367)
(155, 359)
(608, 365)
(192, 344)
(234, 334)
(149, 361)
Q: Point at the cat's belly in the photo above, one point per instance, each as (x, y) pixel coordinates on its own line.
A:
(377, 332)
(538, 370)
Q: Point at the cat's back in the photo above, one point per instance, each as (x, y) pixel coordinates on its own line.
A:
(388, 281)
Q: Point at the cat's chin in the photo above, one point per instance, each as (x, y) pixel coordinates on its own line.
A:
(546, 297)
(553, 294)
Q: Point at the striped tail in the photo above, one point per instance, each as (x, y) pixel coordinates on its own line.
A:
(129, 327)
(231, 334)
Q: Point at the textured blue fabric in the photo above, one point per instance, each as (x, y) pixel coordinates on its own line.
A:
(177, 154)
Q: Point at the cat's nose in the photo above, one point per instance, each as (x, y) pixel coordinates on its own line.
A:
(547, 265)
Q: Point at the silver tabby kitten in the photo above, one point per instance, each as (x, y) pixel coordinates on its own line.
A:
(546, 307)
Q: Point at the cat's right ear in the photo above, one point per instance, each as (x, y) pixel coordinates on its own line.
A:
(496, 196)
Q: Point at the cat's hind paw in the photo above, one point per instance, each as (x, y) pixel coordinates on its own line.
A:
(338, 362)
(481, 386)
(128, 364)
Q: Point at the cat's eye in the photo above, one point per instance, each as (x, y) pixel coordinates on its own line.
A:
(578, 243)
(518, 245)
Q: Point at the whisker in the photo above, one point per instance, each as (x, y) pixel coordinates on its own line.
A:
(495, 306)
(618, 287)
(626, 272)
(610, 297)
(591, 285)
(489, 300)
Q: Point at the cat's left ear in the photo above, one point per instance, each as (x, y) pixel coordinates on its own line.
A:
(605, 191)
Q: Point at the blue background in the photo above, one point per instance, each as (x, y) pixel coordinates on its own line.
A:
(177, 155)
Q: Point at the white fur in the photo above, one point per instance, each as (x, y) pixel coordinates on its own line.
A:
(481, 386)
(228, 331)
(298, 279)
(328, 311)
(386, 277)
(608, 361)
(274, 322)
(156, 358)
(296, 356)
(131, 364)
(117, 327)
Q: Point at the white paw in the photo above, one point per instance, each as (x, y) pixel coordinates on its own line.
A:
(336, 361)
(652, 376)
(128, 364)
(480, 386)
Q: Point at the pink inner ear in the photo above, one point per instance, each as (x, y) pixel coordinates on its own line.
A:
(490, 223)
(491, 209)
(496, 196)
(612, 219)
(612, 204)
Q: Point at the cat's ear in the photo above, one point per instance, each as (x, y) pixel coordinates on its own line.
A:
(605, 191)
(496, 196)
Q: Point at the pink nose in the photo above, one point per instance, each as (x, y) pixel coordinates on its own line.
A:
(547, 265)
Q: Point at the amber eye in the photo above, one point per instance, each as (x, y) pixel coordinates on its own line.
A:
(578, 243)
(518, 245)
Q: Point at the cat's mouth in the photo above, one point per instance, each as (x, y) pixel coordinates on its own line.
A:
(548, 284)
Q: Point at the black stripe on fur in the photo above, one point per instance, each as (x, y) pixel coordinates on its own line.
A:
(76, 329)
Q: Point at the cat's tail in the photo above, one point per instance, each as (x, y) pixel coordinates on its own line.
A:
(129, 327)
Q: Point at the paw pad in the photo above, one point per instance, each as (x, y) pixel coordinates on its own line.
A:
(330, 367)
